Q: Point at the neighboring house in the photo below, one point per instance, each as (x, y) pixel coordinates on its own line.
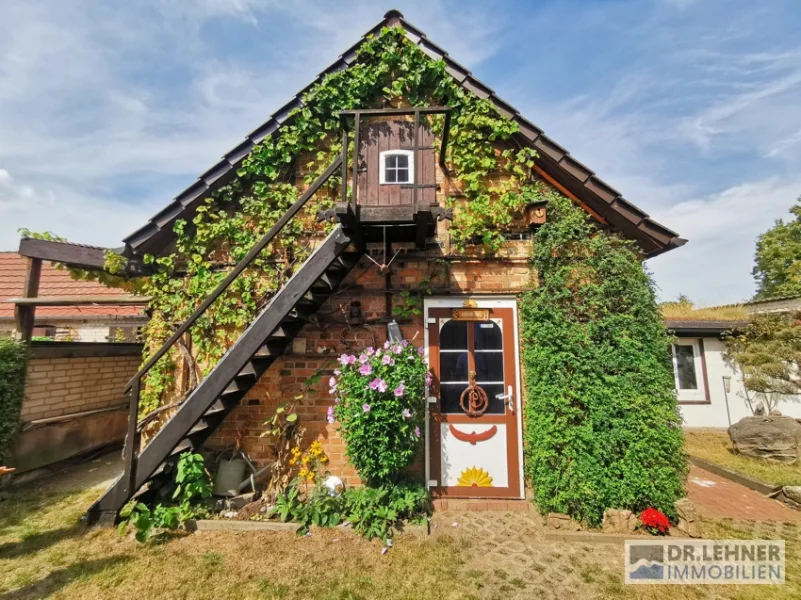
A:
(76, 323)
(710, 389)
(83, 351)
(471, 312)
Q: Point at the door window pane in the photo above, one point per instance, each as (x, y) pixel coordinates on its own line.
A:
(453, 336)
(453, 366)
(685, 367)
(487, 336)
(489, 366)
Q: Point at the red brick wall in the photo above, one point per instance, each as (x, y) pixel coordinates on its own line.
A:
(324, 342)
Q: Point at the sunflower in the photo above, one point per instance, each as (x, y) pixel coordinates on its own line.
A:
(474, 477)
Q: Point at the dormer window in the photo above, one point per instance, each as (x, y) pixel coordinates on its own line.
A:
(397, 166)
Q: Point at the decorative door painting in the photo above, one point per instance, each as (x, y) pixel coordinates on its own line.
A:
(475, 436)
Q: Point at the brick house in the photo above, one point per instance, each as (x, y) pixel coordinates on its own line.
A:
(391, 238)
(65, 322)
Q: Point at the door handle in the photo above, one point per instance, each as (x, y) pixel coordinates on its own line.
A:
(509, 397)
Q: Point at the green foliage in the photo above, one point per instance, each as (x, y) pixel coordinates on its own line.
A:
(380, 408)
(768, 353)
(13, 363)
(778, 258)
(374, 512)
(602, 426)
(193, 485)
(193, 482)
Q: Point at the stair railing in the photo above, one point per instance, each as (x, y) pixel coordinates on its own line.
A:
(134, 386)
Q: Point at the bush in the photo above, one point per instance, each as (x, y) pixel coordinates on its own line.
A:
(380, 405)
(13, 361)
(602, 426)
(374, 512)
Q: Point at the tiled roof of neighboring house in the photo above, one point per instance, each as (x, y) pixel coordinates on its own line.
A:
(55, 282)
(557, 162)
(703, 326)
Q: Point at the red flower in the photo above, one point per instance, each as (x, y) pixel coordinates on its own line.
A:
(654, 520)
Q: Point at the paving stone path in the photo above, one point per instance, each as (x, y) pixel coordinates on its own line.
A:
(719, 498)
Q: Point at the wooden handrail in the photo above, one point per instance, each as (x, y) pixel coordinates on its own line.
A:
(237, 270)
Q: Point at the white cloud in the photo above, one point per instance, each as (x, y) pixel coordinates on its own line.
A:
(91, 94)
(715, 266)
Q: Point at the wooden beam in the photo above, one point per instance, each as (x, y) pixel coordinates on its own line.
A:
(77, 300)
(396, 111)
(26, 315)
(569, 194)
(74, 255)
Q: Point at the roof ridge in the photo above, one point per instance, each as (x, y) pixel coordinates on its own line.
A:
(654, 238)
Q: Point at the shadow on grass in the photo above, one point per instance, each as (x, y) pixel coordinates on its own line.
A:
(58, 579)
(33, 543)
(17, 507)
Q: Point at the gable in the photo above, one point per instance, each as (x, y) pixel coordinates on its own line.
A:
(555, 164)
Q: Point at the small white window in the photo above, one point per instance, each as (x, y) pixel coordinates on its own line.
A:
(688, 371)
(397, 166)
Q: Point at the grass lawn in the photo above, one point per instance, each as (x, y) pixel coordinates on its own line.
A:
(716, 448)
(44, 554)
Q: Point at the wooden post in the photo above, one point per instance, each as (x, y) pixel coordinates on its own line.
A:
(129, 477)
(354, 182)
(26, 315)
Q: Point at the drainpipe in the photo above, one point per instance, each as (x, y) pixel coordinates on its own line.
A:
(726, 390)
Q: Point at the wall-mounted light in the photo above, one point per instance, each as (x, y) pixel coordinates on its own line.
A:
(394, 333)
(727, 383)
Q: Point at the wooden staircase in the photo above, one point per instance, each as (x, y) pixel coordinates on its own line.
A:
(240, 368)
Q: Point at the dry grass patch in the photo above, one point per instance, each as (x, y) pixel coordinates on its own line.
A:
(716, 447)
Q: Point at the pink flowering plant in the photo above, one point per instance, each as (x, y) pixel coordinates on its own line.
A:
(379, 404)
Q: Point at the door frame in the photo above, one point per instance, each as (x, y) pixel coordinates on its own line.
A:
(505, 301)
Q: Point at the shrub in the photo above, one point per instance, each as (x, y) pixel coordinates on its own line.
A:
(192, 487)
(380, 402)
(13, 361)
(602, 427)
(374, 512)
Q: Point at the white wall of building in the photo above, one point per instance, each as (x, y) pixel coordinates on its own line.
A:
(714, 413)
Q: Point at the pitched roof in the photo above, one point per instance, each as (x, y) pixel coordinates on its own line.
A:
(557, 162)
(55, 282)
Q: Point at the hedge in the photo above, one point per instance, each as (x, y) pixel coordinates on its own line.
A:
(13, 361)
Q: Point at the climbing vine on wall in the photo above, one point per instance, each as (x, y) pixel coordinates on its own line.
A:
(602, 425)
(390, 70)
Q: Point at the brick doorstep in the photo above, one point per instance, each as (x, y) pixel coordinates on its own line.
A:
(480, 505)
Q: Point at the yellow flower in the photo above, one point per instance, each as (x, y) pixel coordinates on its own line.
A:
(310, 476)
(324, 458)
(305, 460)
(292, 461)
(303, 472)
(296, 451)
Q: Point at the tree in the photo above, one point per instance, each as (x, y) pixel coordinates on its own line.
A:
(602, 426)
(778, 258)
(768, 353)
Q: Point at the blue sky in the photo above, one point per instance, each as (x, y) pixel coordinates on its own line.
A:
(690, 108)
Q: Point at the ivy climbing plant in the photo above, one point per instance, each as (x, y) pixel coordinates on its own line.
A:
(602, 425)
(493, 175)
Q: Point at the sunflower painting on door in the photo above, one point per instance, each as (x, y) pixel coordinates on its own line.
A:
(474, 477)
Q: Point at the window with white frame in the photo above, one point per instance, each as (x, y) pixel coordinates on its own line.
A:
(688, 370)
(397, 166)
